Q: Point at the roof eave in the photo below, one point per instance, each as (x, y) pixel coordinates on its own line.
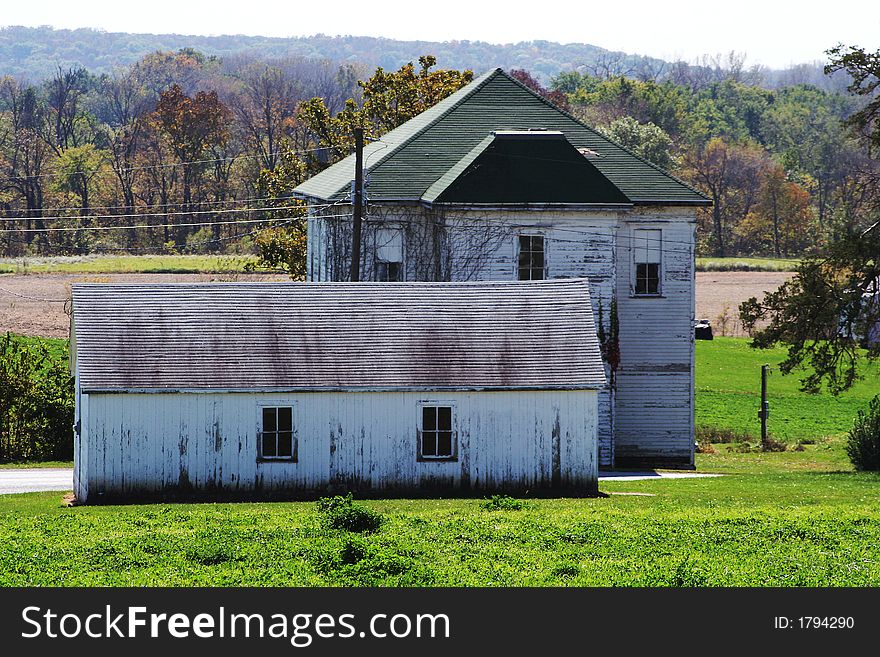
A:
(352, 389)
(528, 206)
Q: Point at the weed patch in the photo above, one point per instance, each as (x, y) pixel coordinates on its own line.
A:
(502, 503)
(341, 512)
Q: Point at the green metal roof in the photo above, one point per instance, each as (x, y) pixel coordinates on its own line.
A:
(443, 141)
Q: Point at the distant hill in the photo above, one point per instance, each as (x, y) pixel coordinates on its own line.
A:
(35, 53)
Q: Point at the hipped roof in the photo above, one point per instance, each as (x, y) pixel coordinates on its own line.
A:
(406, 162)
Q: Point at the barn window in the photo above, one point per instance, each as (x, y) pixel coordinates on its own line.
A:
(531, 258)
(436, 434)
(277, 441)
(646, 258)
(389, 254)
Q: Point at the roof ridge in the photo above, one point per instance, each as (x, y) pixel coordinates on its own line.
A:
(476, 85)
(608, 139)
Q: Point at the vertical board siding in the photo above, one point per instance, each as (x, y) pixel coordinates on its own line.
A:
(138, 445)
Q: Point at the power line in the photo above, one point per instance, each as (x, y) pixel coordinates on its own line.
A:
(175, 203)
(147, 167)
(614, 234)
(25, 296)
(178, 225)
(140, 215)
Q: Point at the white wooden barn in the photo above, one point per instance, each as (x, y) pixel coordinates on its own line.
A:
(496, 183)
(265, 390)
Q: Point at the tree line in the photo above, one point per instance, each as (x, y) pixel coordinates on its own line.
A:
(786, 175)
(176, 142)
(182, 152)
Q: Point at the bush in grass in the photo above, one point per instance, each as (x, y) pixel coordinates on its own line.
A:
(863, 440)
(502, 503)
(340, 512)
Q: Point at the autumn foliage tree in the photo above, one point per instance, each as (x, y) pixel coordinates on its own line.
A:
(781, 219)
(190, 127)
(389, 100)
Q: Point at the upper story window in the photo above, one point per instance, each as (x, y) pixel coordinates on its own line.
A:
(531, 265)
(647, 261)
(276, 433)
(436, 434)
(389, 254)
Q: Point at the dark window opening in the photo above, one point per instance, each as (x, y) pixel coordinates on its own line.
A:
(387, 271)
(437, 439)
(647, 278)
(276, 433)
(531, 258)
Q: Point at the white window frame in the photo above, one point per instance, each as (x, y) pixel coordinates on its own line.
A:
(381, 251)
(436, 403)
(517, 248)
(647, 249)
(294, 441)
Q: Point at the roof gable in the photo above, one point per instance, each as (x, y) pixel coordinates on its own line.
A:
(406, 162)
(336, 336)
(522, 167)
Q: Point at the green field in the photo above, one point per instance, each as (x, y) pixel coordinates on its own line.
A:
(746, 264)
(793, 518)
(781, 519)
(144, 264)
(728, 392)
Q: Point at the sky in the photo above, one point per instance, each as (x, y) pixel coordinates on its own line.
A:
(769, 32)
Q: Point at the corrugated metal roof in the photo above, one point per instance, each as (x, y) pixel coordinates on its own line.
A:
(295, 336)
(410, 159)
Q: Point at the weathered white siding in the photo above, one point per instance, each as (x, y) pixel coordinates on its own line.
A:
(149, 445)
(654, 412)
(647, 418)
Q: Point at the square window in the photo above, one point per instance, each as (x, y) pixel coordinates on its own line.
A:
(436, 436)
(277, 440)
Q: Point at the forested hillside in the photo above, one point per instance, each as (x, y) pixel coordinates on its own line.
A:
(187, 152)
(36, 53)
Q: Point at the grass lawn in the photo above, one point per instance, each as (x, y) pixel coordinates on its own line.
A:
(780, 519)
(728, 394)
(113, 264)
(794, 518)
(746, 264)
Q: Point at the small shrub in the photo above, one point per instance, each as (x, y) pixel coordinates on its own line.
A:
(566, 570)
(703, 446)
(353, 550)
(863, 440)
(502, 503)
(773, 445)
(709, 434)
(340, 512)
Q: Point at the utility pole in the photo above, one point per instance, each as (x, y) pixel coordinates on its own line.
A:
(358, 204)
(765, 407)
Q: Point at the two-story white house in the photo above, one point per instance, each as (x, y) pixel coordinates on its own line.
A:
(496, 183)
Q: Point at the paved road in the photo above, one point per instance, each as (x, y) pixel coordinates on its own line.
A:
(30, 480)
